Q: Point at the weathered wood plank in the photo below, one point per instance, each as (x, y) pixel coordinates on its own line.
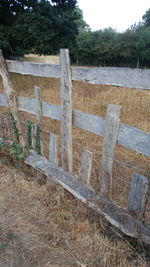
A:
(86, 166)
(1, 129)
(4, 100)
(33, 133)
(126, 77)
(137, 195)
(66, 105)
(7, 129)
(129, 137)
(35, 69)
(53, 149)
(112, 123)
(37, 91)
(12, 99)
(134, 139)
(104, 206)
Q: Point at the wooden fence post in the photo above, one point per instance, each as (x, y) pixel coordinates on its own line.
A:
(66, 105)
(37, 92)
(33, 135)
(53, 148)
(86, 165)
(12, 100)
(112, 122)
(7, 129)
(137, 195)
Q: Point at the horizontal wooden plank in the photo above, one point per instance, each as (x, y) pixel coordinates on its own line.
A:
(126, 77)
(35, 69)
(104, 206)
(129, 137)
(134, 139)
(3, 100)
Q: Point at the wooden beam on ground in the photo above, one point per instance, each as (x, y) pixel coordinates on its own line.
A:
(66, 105)
(12, 99)
(138, 195)
(103, 205)
(112, 123)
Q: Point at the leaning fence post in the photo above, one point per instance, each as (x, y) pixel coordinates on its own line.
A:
(137, 195)
(66, 105)
(112, 122)
(12, 100)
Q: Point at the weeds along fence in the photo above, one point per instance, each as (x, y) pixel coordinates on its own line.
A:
(131, 220)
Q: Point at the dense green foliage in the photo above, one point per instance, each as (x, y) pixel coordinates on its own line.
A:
(43, 27)
(109, 48)
(40, 27)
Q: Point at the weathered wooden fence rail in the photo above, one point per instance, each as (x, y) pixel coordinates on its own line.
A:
(129, 221)
(126, 77)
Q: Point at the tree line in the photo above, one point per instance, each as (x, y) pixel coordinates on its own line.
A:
(43, 27)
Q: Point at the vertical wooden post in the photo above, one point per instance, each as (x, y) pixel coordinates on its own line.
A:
(1, 128)
(86, 165)
(37, 91)
(66, 103)
(53, 148)
(112, 122)
(12, 100)
(33, 134)
(137, 195)
(7, 129)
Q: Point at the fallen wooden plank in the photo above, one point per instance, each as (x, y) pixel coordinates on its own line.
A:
(126, 77)
(104, 206)
(129, 137)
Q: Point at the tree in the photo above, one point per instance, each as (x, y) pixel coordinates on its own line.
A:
(146, 18)
(35, 26)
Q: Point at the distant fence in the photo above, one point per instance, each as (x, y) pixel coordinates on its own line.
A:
(130, 221)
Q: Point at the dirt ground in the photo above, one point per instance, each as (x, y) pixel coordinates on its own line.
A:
(40, 227)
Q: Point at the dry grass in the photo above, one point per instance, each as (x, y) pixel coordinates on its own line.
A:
(40, 227)
(42, 59)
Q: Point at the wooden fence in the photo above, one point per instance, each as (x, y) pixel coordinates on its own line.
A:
(131, 220)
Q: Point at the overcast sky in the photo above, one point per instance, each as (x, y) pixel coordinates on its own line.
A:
(118, 14)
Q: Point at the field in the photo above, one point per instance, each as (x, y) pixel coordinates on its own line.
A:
(73, 231)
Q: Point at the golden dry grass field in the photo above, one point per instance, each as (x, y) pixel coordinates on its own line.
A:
(93, 99)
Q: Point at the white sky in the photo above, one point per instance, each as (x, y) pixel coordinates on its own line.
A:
(118, 14)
